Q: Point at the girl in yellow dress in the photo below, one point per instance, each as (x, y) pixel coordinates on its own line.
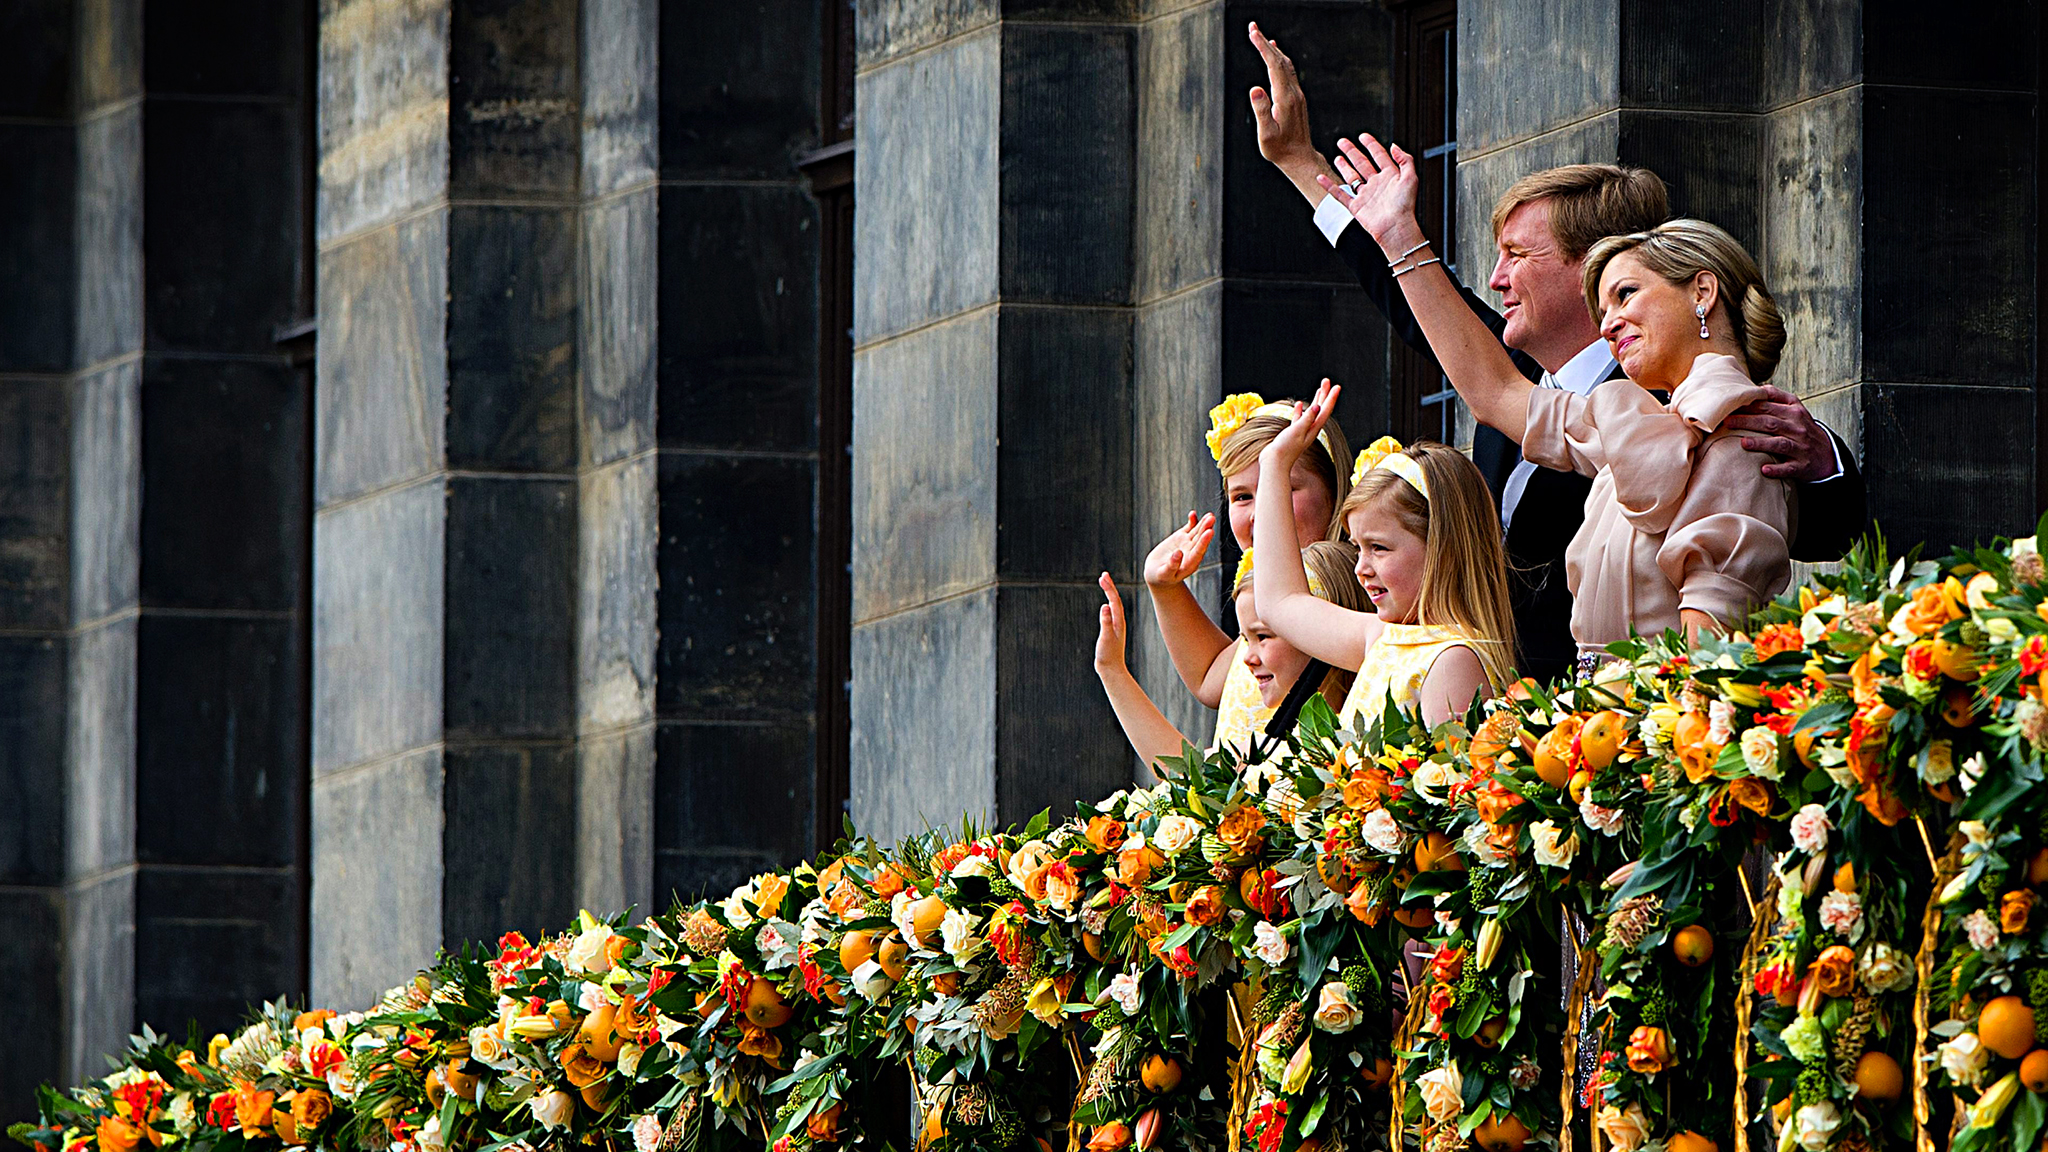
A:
(1211, 663)
(1430, 561)
(1272, 665)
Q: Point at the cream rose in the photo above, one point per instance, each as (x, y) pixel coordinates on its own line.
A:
(1269, 942)
(487, 1046)
(1334, 1010)
(1810, 828)
(1963, 1059)
(553, 1108)
(1816, 1124)
(1175, 833)
(1029, 857)
(1443, 1092)
(1554, 849)
(1382, 832)
(956, 931)
(1760, 752)
(1625, 1128)
(1885, 969)
(1433, 781)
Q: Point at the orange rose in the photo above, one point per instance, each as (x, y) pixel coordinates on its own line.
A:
(1775, 638)
(1363, 907)
(844, 899)
(1696, 753)
(1879, 801)
(888, 882)
(1751, 793)
(1495, 803)
(311, 1108)
(631, 1023)
(313, 1019)
(1494, 737)
(1109, 1138)
(118, 1135)
(1358, 793)
(1062, 889)
(1034, 884)
(582, 1068)
(1134, 865)
(1152, 922)
(1863, 679)
(1649, 1050)
(759, 1042)
(1504, 837)
(1240, 830)
(1931, 607)
(1834, 971)
(824, 1123)
(2014, 908)
(1106, 834)
(252, 1109)
(1206, 907)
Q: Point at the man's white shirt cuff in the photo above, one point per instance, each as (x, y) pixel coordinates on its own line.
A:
(1834, 446)
(1332, 219)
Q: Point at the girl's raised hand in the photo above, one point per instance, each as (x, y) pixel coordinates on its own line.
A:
(1309, 419)
(1109, 641)
(1175, 558)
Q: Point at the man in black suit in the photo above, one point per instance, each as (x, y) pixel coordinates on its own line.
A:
(1543, 227)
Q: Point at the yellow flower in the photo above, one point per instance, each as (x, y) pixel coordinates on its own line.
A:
(1045, 1001)
(1370, 456)
(1228, 417)
(769, 889)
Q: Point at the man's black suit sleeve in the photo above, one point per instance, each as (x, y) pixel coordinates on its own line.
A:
(1832, 514)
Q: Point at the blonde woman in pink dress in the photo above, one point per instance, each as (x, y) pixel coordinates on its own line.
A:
(1681, 531)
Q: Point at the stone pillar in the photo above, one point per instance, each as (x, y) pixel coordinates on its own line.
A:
(738, 251)
(447, 482)
(70, 486)
(221, 771)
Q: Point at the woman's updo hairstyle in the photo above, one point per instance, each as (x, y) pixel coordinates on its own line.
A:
(1328, 455)
(1679, 250)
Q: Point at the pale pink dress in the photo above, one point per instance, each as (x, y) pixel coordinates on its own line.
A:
(1680, 516)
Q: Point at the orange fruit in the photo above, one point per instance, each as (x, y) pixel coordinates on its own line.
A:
(1501, 1133)
(1334, 873)
(1581, 781)
(1601, 739)
(1436, 852)
(1415, 916)
(594, 1096)
(893, 955)
(855, 949)
(2034, 1070)
(436, 1090)
(1092, 941)
(1553, 752)
(1248, 886)
(2006, 1026)
(2037, 868)
(597, 1035)
(1878, 1077)
(925, 917)
(1693, 945)
(764, 1007)
(1490, 1032)
(459, 1082)
(1802, 743)
(1690, 1141)
(1160, 1074)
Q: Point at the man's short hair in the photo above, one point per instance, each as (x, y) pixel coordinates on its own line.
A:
(1589, 202)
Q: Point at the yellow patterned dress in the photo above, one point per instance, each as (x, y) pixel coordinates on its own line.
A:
(1397, 663)
(1241, 713)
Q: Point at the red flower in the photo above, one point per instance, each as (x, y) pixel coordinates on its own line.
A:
(814, 978)
(1269, 901)
(515, 955)
(323, 1057)
(732, 983)
(2033, 656)
(221, 1113)
(658, 979)
(1775, 979)
(1267, 1125)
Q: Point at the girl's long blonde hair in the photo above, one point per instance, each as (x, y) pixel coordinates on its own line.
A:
(1464, 573)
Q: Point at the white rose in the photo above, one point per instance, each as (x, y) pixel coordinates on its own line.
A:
(980, 866)
(1815, 1124)
(1760, 752)
(429, 1138)
(1625, 1128)
(1885, 969)
(630, 1055)
(1810, 828)
(1029, 857)
(1443, 1092)
(1269, 942)
(1434, 780)
(1382, 832)
(870, 981)
(646, 1133)
(899, 914)
(735, 907)
(553, 1108)
(1554, 849)
(1175, 833)
(1123, 988)
(1334, 1010)
(1605, 821)
(1937, 762)
(1964, 1058)
(957, 933)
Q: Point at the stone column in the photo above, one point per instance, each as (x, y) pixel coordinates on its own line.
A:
(447, 483)
(70, 486)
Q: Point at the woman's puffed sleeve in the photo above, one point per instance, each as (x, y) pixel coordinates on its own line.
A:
(1727, 550)
(1560, 433)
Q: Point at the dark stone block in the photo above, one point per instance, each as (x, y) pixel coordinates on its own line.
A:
(1056, 738)
(106, 490)
(377, 877)
(1813, 251)
(1812, 46)
(222, 250)
(885, 29)
(213, 944)
(617, 347)
(1281, 341)
(924, 467)
(621, 97)
(511, 607)
(512, 339)
(513, 114)
(1709, 162)
(35, 480)
(615, 821)
(737, 588)
(38, 254)
(923, 715)
(1530, 66)
(1344, 55)
(36, 56)
(499, 795)
(109, 240)
(379, 627)
(1948, 464)
(1687, 55)
(616, 605)
(1981, 46)
(383, 81)
(1949, 259)
(99, 972)
(738, 332)
(219, 747)
(937, 115)
(739, 795)
(382, 384)
(1056, 362)
(32, 947)
(32, 752)
(739, 93)
(1178, 185)
(1067, 109)
(224, 47)
(223, 463)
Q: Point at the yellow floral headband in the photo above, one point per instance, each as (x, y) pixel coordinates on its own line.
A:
(1386, 452)
(1226, 418)
(1244, 569)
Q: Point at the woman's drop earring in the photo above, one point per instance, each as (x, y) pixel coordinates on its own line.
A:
(1700, 310)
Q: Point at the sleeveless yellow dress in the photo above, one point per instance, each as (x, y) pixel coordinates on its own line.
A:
(1241, 713)
(1396, 663)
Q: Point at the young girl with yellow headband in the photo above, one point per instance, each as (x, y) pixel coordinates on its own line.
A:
(1211, 663)
(1273, 665)
(1429, 559)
